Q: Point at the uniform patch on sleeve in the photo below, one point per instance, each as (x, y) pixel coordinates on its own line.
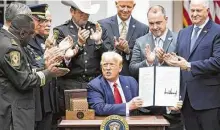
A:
(15, 58)
(13, 42)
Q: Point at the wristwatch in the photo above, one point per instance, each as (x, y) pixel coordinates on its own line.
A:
(188, 65)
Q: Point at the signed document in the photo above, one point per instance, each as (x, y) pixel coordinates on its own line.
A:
(159, 86)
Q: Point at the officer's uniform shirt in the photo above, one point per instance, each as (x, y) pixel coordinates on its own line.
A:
(86, 63)
(16, 84)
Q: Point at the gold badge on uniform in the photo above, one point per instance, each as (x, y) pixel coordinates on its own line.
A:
(15, 58)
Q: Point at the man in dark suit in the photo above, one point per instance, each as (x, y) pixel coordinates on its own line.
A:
(149, 50)
(123, 30)
(199, 50)
(111, 93)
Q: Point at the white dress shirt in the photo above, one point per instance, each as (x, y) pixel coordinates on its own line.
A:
(120, 26)
(121, 93)
(201, 27)
(119, 89)
(162, 39)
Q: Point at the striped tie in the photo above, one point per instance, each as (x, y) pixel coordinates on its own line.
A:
(124, 30)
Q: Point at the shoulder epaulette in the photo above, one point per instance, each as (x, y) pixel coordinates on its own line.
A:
(67, 22)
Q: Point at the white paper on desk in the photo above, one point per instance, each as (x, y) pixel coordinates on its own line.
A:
(146, 85)
(167, 86)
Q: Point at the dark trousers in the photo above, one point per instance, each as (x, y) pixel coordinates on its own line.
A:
(200, 119)
(45, 123)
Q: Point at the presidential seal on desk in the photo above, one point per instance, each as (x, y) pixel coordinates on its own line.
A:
(114, 122)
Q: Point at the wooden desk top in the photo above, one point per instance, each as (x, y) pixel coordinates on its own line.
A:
(132, 121)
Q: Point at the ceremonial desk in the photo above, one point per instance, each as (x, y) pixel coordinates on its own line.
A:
(134, 122)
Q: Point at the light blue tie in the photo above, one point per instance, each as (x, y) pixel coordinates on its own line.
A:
(194, 38)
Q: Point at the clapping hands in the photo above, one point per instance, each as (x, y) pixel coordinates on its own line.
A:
(122, 45)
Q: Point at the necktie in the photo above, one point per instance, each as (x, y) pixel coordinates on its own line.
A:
(158, 42)
(194, 38)
(117, 95)
(124, 30)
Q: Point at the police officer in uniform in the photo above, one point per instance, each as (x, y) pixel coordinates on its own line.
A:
(45, 97)
(90, 42)
(16, 77)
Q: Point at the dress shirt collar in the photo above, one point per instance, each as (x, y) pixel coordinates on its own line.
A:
(5, 27)
(163, 37)
(127, 21)
(203, 25)
(111, 83)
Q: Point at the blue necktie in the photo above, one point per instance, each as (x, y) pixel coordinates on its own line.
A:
(194, 38)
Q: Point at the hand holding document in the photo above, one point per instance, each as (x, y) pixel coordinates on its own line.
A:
(160, 86)
(177, 107)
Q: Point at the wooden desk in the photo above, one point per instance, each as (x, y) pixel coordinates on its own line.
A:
(134, 122)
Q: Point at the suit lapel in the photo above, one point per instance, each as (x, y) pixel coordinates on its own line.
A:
(168, 40)
(187, 43)
(126, 89)
(114, 26)
(151, 41)
(108, 91)
(201, 36)
(131, 29)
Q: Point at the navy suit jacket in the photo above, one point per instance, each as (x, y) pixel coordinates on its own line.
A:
(136, 29)
(101, 98)
(202, 83)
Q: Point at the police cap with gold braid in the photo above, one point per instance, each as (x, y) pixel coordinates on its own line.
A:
(39, 11)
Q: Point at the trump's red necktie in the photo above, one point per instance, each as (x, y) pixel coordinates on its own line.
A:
(117, 95)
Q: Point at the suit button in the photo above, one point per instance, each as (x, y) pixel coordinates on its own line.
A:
(85, 53)
(86, 61)
(85, 70)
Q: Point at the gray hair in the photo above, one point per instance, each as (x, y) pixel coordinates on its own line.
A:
(14, 9)
(205, 3)
(154, 9)
(114, 55)
(126, 0)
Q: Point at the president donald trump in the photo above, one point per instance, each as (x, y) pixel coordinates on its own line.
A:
(111, 93)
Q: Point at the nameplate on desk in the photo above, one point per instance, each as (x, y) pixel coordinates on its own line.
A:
(80, 115)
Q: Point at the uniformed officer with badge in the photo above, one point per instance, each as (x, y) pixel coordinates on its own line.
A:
(90, 42)
(45, 97)
(16, 77)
